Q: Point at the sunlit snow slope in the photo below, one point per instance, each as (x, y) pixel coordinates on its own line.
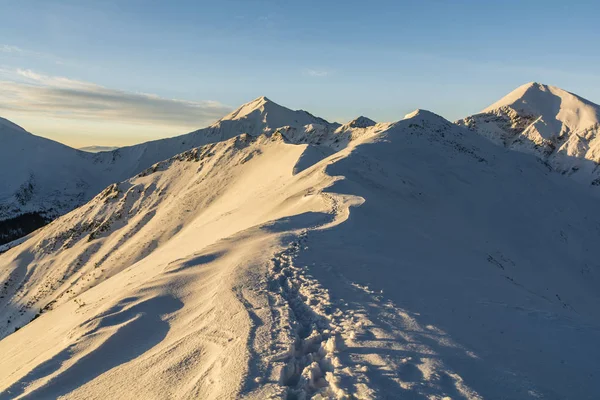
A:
(42, 179)
(404, 260)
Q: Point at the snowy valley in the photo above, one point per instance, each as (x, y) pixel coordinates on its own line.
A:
(274, 254)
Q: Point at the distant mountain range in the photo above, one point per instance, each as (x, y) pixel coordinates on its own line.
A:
(98, 149)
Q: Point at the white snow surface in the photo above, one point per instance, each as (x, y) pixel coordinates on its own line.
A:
(403, 260)
(559, 127)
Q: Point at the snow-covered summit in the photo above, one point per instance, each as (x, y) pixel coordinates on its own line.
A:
(262, 115)
(558, 108)
(559, 127)
(424, 115)
(360, 122)
(425, 120)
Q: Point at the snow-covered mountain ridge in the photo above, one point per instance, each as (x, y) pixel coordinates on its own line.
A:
(44, 179)
(409, 259)
(559, 127)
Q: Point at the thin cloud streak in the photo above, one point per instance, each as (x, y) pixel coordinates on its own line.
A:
(26, 54)
(5, 48)
(36, 94)
(317, 73)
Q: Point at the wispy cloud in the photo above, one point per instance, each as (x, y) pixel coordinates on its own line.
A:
(19, 51)
(5, 48)
(59, 97)
(27, 54)
(317, 73)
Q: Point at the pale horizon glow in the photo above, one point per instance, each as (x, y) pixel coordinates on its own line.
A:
(82, 114)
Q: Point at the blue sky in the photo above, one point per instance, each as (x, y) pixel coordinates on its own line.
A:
(120, 72)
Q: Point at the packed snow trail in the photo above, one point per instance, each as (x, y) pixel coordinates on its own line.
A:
(318, 343)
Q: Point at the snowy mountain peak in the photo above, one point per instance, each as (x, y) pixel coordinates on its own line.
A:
(260, 105)
(555, 106)
(559, 127)
(360, 122)
(425, 116)
(423, 122)
(262, 115)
